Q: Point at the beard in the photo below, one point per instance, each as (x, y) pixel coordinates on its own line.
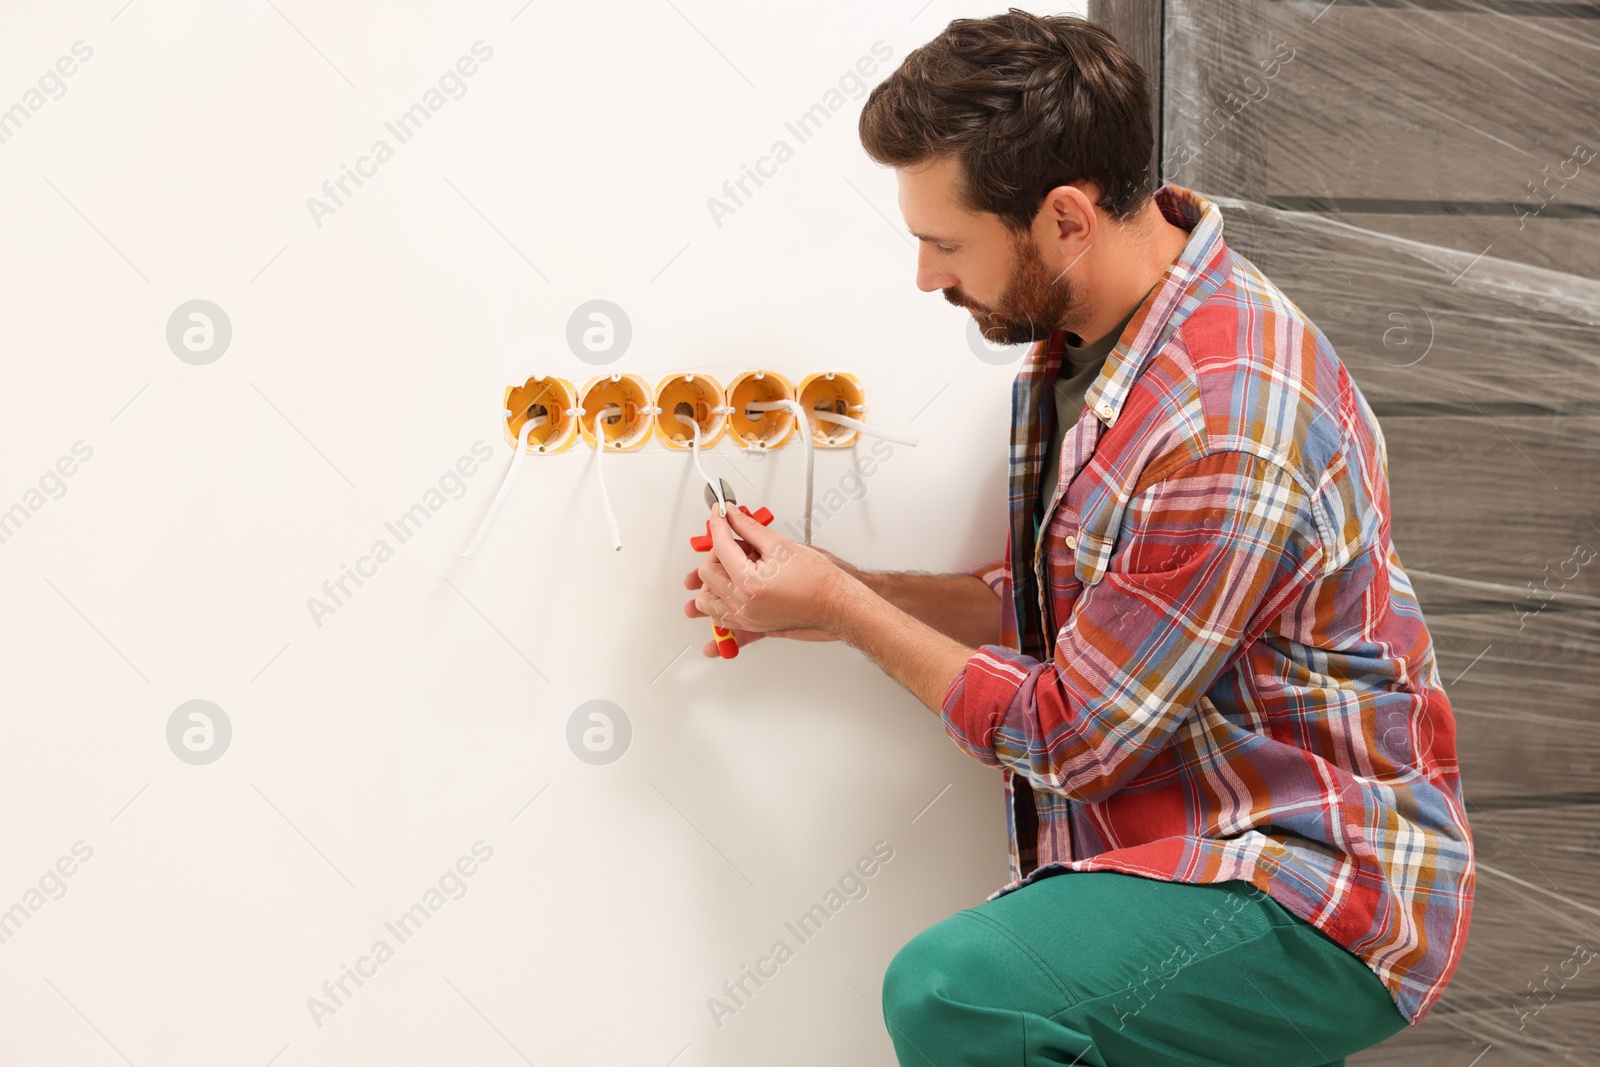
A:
(1033, 305)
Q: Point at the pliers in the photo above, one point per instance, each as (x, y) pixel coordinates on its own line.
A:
(727, 645)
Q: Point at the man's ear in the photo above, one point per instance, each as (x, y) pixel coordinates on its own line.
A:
(1069, 216)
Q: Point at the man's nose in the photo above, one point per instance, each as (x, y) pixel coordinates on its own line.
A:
(929, 279)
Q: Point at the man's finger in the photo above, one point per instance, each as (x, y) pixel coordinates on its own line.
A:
(714, 577)
(719, 615)
(751, 530)
(724, 549)
(719, 588)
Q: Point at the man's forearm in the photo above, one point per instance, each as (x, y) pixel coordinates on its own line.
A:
(960, 606)
(919, 657)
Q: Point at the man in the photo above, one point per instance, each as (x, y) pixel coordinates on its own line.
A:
(1236, 824)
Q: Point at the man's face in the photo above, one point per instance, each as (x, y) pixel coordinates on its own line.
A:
(980, 263)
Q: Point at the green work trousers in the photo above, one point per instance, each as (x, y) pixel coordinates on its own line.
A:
(1110, 969)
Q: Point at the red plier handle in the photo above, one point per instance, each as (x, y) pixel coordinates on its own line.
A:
(727, 644)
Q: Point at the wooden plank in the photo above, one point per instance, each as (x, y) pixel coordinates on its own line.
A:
(1491, 329)
(1421, 323)
(1535, 902)
(1544, 858)
(1568, 245)
(1136, 24)
(1511, 501)
(1561, 1032)
(1436, 1043)
(1214, 56)
(1454, 105)
(1527, 704)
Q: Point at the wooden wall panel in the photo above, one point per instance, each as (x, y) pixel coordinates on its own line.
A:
(1526, 695)
(1413, 103)
(1423, 324)
(1215, 55)
(1500, 499)
(1137, 26)
(1378, 177)
(1381, 101)
(1448, 1039)
(1570, 246)
(1555, 848)
(1382, 117)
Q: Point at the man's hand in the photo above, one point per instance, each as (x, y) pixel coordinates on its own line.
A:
(765, 585)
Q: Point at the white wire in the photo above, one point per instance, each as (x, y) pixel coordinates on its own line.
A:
(505, 486)
(805, 432)
(716, 487)
(600, 451)
(871, 431)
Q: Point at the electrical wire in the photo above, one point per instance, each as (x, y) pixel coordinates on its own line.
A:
(690, 421)
(599, 454)
(805, 433)
(505, 485)
(871, 431)
(795, 407)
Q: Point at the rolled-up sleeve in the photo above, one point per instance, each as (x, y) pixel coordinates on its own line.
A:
(991, 573)
(1205, 558)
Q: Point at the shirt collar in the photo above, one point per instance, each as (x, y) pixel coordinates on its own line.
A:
(1188, 281)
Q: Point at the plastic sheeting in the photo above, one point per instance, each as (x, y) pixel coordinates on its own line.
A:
(1420, 179)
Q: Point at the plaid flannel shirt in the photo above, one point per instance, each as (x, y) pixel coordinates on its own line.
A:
(1240, 683)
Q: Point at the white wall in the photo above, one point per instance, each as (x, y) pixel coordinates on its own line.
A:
(368, 353)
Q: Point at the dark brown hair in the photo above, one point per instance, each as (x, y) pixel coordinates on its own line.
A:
(1026, 103)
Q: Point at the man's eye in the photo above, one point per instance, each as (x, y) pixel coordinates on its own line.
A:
(943, 249)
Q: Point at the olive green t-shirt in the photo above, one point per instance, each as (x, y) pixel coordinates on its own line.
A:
(1080, 366)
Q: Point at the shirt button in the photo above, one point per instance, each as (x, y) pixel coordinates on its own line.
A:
(1105, 411)
(1072, 542)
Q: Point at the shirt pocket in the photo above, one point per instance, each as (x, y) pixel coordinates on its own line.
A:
(1094, 555)
(1077, 549)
